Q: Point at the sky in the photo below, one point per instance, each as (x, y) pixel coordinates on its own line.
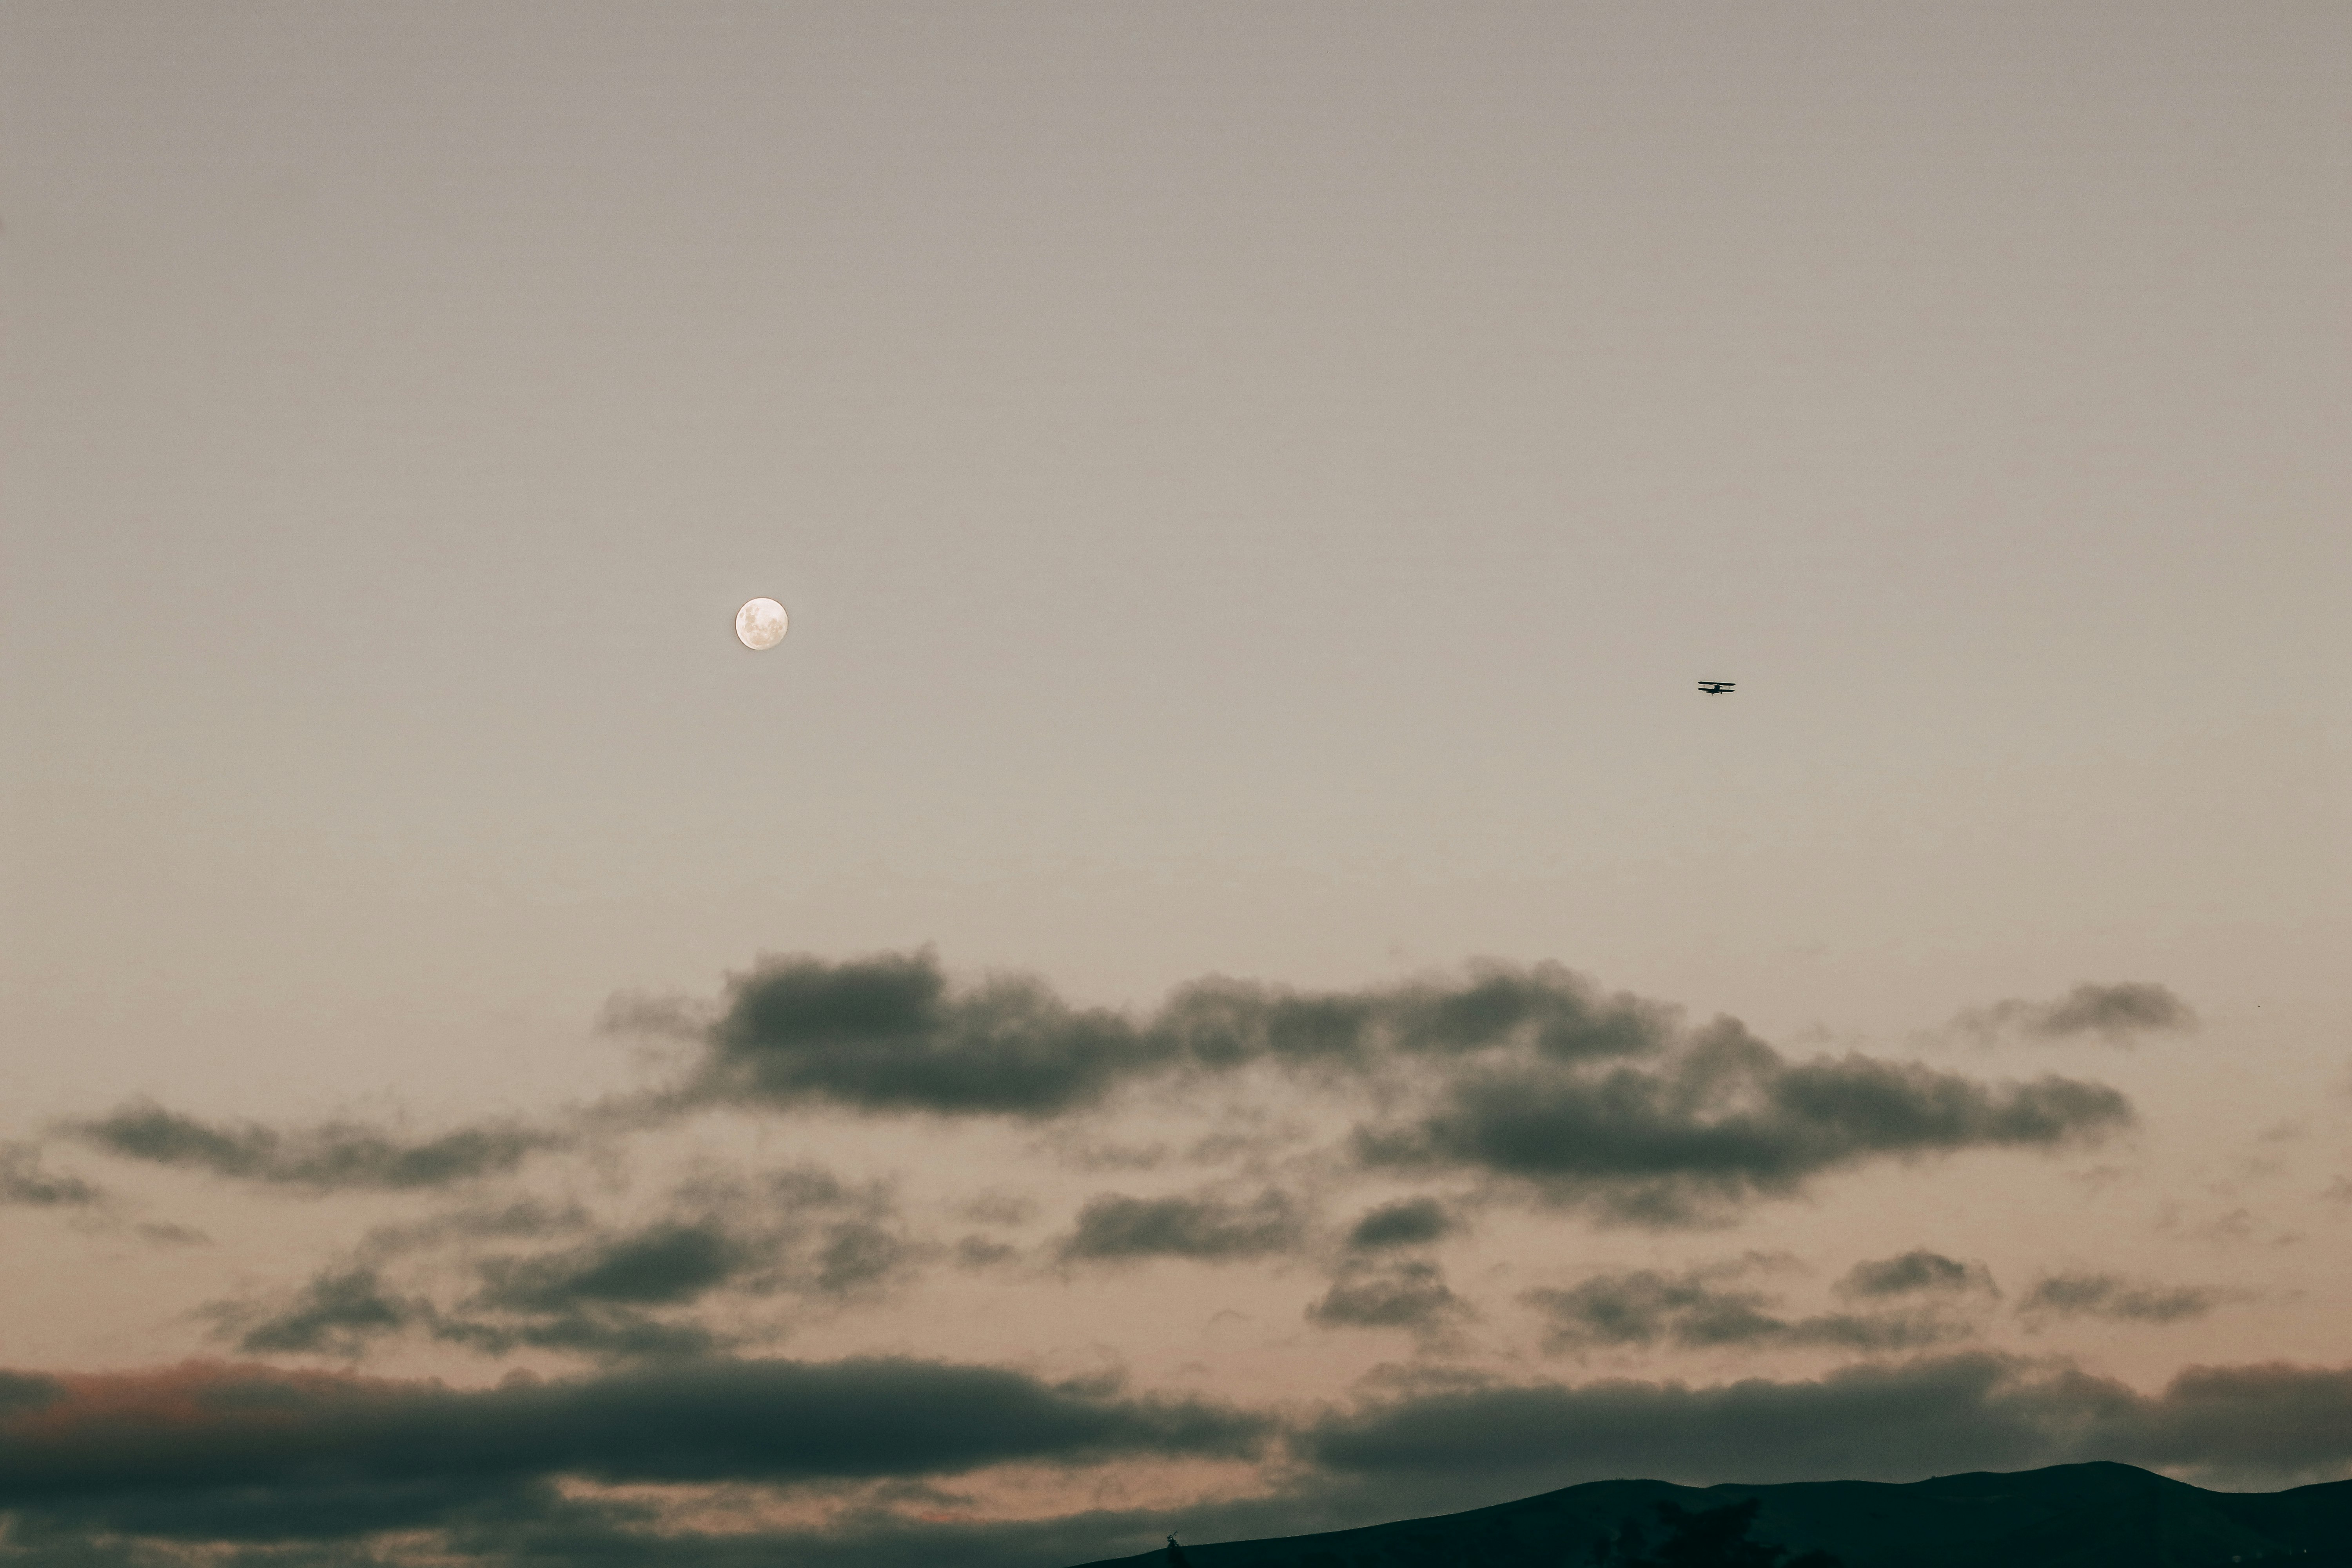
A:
(1224, 978)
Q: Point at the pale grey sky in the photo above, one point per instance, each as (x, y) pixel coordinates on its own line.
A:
(1254, 487)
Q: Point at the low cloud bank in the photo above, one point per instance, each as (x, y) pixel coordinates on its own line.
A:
(2261, 1426)
(213, 1426)
(116, 1467)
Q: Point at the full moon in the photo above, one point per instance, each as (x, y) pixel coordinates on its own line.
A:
(760, 623)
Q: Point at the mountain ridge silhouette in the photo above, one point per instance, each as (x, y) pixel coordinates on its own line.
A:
(2095, 1515)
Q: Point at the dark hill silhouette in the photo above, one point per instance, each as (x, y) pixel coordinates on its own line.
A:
(2067, 1515)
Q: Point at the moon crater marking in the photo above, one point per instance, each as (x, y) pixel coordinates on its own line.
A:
(760, 623)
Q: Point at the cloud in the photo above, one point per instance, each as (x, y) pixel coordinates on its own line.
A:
(1724, 1119)
(22, 1180)
(336, 1313)
(1529, 1074)
(1916, 1272)
(320, 1466)
(334, 1156)
(2257, 1425)
(886, 1034)
(1697, 1310)
(607, 1334)
(613, 1292)
(1115, 1228)
(207, 1450)
(2113, 1296)
(23, 1391)
(668, 1262)
(2116, 1014)
(1544, 1011)
(1643, 1306)
(1408, 1222)
(1404, 1294)
(163, 1233)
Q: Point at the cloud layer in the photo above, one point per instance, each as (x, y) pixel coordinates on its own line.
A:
(1528, 1076)
(213, 1455)
(1340, 1165)
(1971, 1411)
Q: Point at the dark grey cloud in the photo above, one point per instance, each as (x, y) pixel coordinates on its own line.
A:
(2256, 1426)
(666, 1263)
(342, 1311)
(603, 1334)
(1529, 1074)
(336, 1155)
(1916, 1272)
(337, 1314)
(1721, 1121)
(2113, 1296)
(501, 1523)
(25, 1391)
(315, 1469)
(1543, 1010)
(1112, 1228)
(203, 1434)
(2116, 1014)
(607, 1292)
(1646, 1307)
(1707, 1308)
(1409, 1293)
(22, 1180)
(599, 1297)
(1408, 1222)
(889, 1034)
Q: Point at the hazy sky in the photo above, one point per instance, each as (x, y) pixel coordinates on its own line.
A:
(1223, 977)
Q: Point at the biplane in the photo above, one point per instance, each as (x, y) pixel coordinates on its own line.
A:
(1716, 688)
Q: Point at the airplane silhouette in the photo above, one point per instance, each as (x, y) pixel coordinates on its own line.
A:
(1716, 688)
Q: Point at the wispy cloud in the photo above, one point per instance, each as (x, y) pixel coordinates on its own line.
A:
(2118, 1014)
(2116, 1298)
(530, 1277)
(335, 1155)
(1916, 1272)
(1112, 1228)
(22, 1180)
(1408, 1222)
(1392, 1294)
(1713, 1306)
